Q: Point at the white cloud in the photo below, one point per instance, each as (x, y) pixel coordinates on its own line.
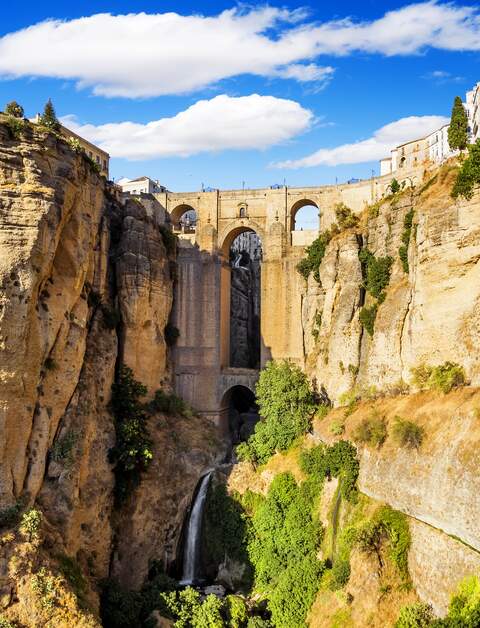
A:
(221, 123)
(373, 148)
(441, 77)
(141, 55)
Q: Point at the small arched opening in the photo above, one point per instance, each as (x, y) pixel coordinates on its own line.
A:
(240, 405)
(184, 219)
(242, 287)
(305, 216)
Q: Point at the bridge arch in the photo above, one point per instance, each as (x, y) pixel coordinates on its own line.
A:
(179, 212)
(239, 412)
(233, 230)
(297, 206)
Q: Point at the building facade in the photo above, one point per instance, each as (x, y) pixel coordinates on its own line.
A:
(473, 112)
(141, 185)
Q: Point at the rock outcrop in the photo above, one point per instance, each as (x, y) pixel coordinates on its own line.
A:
(430, 314)
(85, 285)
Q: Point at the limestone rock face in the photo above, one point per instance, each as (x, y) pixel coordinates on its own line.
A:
(430, 315)
(85, 286)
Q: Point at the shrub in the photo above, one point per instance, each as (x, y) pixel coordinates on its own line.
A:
(31, 523)
(236, 611)
(132, 452)
(394, 186)
(367, 317)
(337, 427)
(346, 219)
(340, 574)
(407, 229)
(417, 615)
(169, 239)
(187, 609)
(469, 174)
(44, 585)
(15, 127)
(75, 145)
(170, 404)
(171, 334)
(447, 376)
(6, 623)
(464, 609)
(120, 608)
(387, 524)
(407, 433)
(73, 574)
(286, 405)
(376, 273)
(62, 448)
(372, 431)
(444, 377)
(14, 109)
(94, 167)
(315, 254)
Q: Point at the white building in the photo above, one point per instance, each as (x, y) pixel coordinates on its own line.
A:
(472, 106)
(141, 185)
(438, 146)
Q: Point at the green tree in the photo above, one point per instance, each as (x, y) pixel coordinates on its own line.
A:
(469, 174)
(458, 129)
(49, 117)
(286, 404)
(14, 109)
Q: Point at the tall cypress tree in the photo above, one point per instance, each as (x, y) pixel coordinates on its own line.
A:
(49, 117)
(458, 129)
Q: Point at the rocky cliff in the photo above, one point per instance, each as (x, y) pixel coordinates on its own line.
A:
(85, 285)
(431, 311)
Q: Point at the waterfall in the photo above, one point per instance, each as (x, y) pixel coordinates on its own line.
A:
(192, 546)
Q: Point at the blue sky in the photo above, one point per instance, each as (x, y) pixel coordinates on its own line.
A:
(322, 84)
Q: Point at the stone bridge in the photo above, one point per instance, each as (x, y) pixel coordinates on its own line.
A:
(202, 290)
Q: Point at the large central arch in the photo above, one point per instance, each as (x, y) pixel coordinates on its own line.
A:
(225, 244)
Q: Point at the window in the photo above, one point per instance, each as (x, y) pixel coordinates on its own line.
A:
(243, 212)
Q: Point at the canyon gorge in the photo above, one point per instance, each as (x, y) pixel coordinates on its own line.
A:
(129, 356)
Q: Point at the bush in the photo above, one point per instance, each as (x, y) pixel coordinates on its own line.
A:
(286, 405)
(443, 377)
(236, 611)
(169, 403)
(387, 524)
(464, 609)
(338, 460)
(62, 448)
(171, 334)
(73, 574)
(367, 318)
(169, 240)
(132, 452)
(346, 219)
(337, 427)
(187, 609)
(376, 273)
(31, 523)
(418, 615)
(394, 186)
(407, 230)
(6, 623)
(45, 587)
(407, 433)
(15, 127)
(120, 608)
(372, 431)
(469, 174)
(315, 254)
(14, 109)
(340, 574)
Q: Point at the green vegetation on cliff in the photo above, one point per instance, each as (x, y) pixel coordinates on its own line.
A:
(469, 174)
(286, 406)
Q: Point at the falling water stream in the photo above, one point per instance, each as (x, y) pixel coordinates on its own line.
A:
(191, 557)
